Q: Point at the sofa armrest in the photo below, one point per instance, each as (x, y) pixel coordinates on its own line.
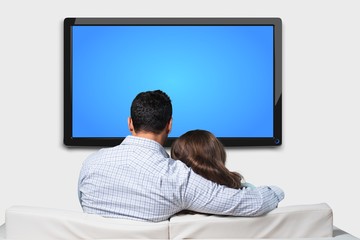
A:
(2, 231)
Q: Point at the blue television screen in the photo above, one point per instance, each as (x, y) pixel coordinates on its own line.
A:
(222, 75)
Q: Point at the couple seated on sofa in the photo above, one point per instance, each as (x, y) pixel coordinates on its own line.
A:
(138, 180)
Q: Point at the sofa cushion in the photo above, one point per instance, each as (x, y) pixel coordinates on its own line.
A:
(304, 221)
(23, 222)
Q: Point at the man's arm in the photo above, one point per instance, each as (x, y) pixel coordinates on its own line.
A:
(202, 195)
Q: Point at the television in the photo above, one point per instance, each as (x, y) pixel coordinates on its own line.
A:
(223, 75)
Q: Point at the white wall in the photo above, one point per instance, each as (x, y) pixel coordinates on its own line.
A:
(319, 156)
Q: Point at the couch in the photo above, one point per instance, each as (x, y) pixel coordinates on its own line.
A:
(313, 221)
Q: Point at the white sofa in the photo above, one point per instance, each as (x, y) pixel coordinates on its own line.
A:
(314, 221)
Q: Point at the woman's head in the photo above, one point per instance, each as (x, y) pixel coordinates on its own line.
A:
(204, 153)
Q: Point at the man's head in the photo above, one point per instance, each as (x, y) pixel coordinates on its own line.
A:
(151, 112)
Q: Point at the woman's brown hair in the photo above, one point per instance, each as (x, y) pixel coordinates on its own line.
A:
(204, 153)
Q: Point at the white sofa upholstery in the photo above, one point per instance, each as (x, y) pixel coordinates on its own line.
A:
(285, 222)
(313, 221)
(28, 223)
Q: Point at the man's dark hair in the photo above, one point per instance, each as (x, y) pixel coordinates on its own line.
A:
(151, 111)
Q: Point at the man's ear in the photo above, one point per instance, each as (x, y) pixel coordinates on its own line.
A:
(169, 126)
(130, 125)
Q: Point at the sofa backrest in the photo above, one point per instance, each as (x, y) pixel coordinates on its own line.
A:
(303, 221)
(23, 222)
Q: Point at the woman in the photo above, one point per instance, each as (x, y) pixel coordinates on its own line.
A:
(204, 153)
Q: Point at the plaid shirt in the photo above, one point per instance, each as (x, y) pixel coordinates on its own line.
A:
(138, 180)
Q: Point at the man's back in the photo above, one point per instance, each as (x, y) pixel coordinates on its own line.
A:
(134, 180)
(137, 180)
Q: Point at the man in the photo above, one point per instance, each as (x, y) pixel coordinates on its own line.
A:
(138, 180)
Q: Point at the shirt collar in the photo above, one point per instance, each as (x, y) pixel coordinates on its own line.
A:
(146, 143)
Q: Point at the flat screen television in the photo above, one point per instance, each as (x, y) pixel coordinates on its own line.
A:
(222, 74)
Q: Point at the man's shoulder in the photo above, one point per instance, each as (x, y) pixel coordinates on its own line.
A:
(178, 171)
(178, 166)
(101, 155)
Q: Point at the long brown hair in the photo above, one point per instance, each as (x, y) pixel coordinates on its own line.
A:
(204, 153)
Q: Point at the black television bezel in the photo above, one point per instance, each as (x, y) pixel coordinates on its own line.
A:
(276, 22)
